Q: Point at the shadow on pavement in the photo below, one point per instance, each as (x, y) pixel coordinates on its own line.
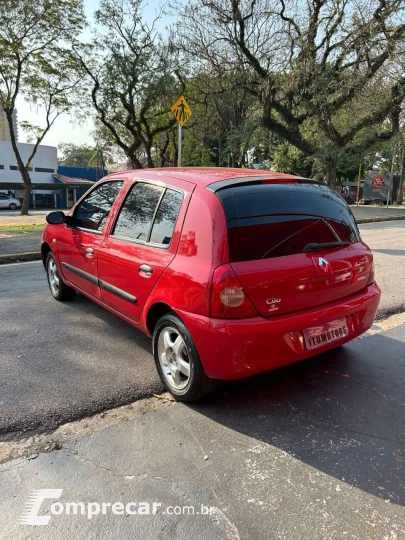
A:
(342, 412)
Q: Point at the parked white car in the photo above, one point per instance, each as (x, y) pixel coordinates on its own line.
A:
(9, 202)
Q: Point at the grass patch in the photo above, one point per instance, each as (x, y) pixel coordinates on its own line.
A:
(21, 228)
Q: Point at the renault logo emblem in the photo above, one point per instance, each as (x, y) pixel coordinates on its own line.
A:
(324, 264)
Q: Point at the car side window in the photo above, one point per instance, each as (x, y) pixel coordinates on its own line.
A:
(93, 211)
(166, 217)
(137, 213)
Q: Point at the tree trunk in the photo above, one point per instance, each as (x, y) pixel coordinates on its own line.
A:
(163, 151)
(175, 148)
(21, 165)
(401, 187)
(148, 149)
(135, 163)
(331, 174)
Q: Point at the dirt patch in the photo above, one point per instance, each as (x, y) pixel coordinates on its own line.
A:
(38, 219)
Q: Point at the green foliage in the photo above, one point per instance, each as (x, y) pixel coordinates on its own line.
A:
(36, 63)
(134, 81)
(77, 155)
(324, 72)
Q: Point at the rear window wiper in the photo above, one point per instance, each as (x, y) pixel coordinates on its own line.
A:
(313, 246)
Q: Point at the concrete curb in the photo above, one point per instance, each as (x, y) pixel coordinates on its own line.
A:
(36, 255)
(379, 220)
(20, 257)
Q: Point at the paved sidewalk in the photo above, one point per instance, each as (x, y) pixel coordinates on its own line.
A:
(377, 213)
(20, 243)
(312, 451)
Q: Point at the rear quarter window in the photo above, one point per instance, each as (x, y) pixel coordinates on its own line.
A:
(274, 220)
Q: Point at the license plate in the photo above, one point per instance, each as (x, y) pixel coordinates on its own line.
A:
(317, 336)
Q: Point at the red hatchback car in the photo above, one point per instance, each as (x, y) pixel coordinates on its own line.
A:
(231, 272)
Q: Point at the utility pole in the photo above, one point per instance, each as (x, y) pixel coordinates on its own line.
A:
(391, 186)
(358, 182)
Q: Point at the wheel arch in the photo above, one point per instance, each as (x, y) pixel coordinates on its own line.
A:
(155, 312)
(45, 249)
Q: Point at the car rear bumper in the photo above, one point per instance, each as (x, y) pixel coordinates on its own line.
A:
(234, 349)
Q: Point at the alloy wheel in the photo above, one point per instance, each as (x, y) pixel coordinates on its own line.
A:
(54, 279)
(174, 358)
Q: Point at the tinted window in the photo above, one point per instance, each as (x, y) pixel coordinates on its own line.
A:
(273, 220)
(92, 213)
(166, 217)
(136, 215)
(42, 169)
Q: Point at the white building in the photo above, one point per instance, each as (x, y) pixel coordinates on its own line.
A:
(44, 165)
(4, 128)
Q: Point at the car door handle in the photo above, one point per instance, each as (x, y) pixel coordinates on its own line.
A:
(145, 270)
(89, 251)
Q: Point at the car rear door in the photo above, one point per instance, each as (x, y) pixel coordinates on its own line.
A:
(141, 243)
(79, 242)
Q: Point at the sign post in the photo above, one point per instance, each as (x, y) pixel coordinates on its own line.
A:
(179, 146)
(182, 112)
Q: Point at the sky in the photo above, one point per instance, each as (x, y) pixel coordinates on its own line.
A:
(66, 128)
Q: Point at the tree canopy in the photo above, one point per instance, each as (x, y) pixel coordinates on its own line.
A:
(309, 65)
(36, 63)
(315, 87)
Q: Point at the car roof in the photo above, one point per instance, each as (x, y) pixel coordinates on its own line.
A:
(204, 176)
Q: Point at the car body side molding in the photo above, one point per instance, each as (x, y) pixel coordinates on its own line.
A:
(102, 284)
(117, 292)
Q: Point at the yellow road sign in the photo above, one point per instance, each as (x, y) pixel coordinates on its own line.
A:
(181, 111)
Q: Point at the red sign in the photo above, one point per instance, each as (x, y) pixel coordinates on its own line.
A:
(378, 183)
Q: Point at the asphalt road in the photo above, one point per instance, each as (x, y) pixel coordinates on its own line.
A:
(60, 361)
(63, 361)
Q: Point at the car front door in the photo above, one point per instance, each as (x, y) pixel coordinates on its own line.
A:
(140, 245)
(80, 241)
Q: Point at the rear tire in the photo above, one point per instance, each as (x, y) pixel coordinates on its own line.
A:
(178, 362)
(13, 206)
(59, 290)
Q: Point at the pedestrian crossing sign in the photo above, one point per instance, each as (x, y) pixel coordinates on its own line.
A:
(181, 111)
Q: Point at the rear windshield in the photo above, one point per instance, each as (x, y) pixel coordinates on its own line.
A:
(274, 220)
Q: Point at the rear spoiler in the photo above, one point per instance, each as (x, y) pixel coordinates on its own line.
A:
(256, 180)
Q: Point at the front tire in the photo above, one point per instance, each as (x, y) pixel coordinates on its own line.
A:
(178, 362)
(59, 290)
(13, 206)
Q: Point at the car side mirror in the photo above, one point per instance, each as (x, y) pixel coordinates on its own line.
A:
(56, 218)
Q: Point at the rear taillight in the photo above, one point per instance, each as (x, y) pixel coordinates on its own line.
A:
(371, 277)
(228, 299)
